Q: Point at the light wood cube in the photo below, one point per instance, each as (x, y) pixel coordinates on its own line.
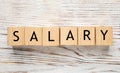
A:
(33, 36)
(15, 36)
(51, 36)
(104, 35)
(86, 35)
(68, 36)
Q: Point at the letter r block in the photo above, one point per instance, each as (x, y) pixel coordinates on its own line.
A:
(33, 36)
(15, 36)
(68, 36)
(50, 36)
(86, 35)
(105, 39)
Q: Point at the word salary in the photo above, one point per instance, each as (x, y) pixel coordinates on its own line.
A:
(55, 36)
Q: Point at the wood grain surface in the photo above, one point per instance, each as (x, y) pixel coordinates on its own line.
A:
(62, 59)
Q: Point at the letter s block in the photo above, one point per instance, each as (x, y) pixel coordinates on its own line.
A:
(15, 36)
(104, 35)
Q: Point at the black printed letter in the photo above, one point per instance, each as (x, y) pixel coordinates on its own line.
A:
(70, 35)
(49, 37)
(33, 36)
(104, 34)
(88, 33)
(16, 36)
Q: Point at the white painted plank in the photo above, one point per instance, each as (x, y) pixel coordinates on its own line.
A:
(63, 59)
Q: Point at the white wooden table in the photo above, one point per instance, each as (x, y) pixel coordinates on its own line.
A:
(62, 59)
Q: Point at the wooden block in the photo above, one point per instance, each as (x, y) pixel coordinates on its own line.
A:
(33, 36)
(51, 36)
(86, 35)
(15, 36)
(68, 36)
(104, 35)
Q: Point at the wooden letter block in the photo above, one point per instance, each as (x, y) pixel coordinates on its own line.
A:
(86, 36)
(33, 36)
(68, 36)
(104, 35)
(15, 36)
(51, 36)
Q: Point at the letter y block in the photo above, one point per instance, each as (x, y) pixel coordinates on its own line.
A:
(104, 35)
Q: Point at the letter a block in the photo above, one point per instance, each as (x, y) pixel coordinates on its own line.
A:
(51, 36)
(15, 36)
(104, 35)
(86, 35)
(68, 35)
(33, 36)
